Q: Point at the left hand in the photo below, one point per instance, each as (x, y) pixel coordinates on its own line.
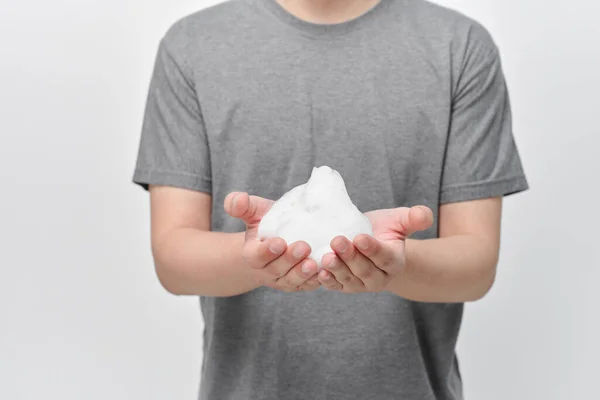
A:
(368, 263)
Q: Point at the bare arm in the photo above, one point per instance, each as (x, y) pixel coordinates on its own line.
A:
(458, 266)
(189, 259)
(192, 260)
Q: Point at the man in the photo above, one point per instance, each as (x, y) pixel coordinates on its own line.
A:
(407, 100)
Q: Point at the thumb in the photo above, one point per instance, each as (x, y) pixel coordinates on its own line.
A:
(414, 219)
(249, 209)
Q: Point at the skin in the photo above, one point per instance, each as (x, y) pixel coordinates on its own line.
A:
(368, 263)
(457, 267)
(327, 11)
(192, 260)
(277, 266)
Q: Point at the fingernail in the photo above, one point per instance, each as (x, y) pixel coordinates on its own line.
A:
(342, 246)
(363, 244)
(298, 253)
(276, 248)
(332, 263)
(234, 201)
(306, 268)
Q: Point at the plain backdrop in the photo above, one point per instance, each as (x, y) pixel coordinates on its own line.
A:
(82, 315)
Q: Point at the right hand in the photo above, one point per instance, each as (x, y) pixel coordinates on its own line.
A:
(274, 263)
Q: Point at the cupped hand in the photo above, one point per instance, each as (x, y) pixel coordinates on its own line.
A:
(275, 264)
(368, 263)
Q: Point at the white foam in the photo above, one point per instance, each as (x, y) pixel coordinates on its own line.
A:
(315, 212)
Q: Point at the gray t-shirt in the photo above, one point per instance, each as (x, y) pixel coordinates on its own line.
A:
(408, 102)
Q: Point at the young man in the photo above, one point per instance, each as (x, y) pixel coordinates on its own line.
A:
(408, 101)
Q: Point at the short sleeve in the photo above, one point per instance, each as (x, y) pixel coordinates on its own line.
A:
(481, 159)
(173, 148)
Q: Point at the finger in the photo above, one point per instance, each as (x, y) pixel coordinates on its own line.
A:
(299, 274)
(261, 254)
(249, 209)
(295, 253)
(414, 219)
(342, 273)
(386, 258)
(360, 266)
(328, 281)
(311, 284)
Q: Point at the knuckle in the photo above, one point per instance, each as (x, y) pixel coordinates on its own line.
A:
(284, 263)
(352, 255)
(279, 274)
(346, 279)
(282, 270)
(280, 285)
(268, 278)
(289, 280)
(256, 264)
(271, 272)
(276, 269)
(365, 273)
(387, 263)
(332, 285)
(258, 258)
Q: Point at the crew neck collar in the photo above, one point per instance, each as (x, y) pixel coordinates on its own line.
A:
(321, 30)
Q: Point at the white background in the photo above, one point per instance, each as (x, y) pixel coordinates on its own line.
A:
(82, 315)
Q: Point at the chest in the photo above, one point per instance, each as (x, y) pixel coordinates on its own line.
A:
(378, 114)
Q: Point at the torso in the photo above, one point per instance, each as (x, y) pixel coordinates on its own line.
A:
(373, 103)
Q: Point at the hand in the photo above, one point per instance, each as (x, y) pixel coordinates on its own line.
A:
(368, 263)
(275, 264)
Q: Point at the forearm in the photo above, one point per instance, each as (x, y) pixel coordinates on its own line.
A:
(452, 269)
(194, 262)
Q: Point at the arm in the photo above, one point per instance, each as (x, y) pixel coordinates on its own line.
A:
(174, 162)
(192, 260)
(481, 164)
(189, 259)
(458, 266)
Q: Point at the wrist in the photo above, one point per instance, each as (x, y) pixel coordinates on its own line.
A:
(398, 281)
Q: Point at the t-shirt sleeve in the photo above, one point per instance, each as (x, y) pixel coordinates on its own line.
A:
(481, 159)
(173, 148)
